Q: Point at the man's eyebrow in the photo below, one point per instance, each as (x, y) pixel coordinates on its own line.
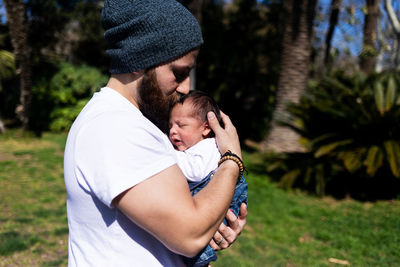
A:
(183, 67)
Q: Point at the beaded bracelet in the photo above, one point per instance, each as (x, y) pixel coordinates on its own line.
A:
(229, 155)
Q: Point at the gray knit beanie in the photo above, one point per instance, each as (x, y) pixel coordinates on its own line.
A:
(146, 33)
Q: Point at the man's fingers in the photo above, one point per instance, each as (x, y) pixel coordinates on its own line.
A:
(214, 245)
(242, 216)
(224, 240)
(232, 221)
(224, 244)
(216, 241)
(243, 211)
(227, 233)
(213, 122)
(225, 118)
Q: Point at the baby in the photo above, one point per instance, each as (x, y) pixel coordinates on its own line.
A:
(198, 154)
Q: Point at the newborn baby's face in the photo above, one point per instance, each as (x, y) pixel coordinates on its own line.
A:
(184, 129)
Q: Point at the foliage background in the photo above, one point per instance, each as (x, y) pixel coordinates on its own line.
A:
(347, 119)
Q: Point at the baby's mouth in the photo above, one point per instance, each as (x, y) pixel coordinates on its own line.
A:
(176, 142)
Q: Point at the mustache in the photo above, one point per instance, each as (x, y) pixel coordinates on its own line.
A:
(154, 104)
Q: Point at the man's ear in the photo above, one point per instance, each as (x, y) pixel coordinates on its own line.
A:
(137, 74)
(206, 129)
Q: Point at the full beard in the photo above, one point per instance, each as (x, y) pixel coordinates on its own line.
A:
(153, 103)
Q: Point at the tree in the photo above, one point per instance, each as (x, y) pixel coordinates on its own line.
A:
(369, 35)
(333, 21)
(7, 65)
(17, 21)
(239, 61)
(392, 31)
(295, 61)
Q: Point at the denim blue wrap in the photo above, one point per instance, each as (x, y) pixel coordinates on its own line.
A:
(240, 196)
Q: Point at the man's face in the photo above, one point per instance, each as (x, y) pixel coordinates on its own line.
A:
(174, 76)
(161, 88)
(186, 130)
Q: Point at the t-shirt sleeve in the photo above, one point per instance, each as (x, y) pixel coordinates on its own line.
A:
(115, 153)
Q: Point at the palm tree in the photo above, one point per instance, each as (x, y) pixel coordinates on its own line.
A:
(295, 62)
(16, 18)
(7, 65)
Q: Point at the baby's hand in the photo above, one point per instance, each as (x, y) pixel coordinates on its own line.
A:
(227, 139)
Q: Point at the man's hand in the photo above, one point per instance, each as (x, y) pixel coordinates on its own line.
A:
(226, 138)
(226, 235)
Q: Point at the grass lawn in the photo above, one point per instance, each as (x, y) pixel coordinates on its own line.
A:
(284, 228)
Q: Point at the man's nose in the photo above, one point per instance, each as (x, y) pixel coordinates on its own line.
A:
(184, 86)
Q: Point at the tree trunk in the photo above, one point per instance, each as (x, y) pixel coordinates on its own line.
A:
(16, 19)
(369, 33)
(333, 20)
(2, 127)
(395, 26)
(297, 46)
(381, 37)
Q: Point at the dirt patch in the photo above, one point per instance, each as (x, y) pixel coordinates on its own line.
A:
(6, 157)
(14, 145)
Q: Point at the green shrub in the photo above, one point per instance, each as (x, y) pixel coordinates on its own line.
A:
(58, 102)
(63, 117)
(350, 126)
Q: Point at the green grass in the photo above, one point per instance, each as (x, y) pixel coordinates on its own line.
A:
(296, 229)
(33, 222)
(283, 229)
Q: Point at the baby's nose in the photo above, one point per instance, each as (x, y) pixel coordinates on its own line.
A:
(172, 131)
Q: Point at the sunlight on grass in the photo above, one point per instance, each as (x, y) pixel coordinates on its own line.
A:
(294, 229)
(283, 229)
(33, 225)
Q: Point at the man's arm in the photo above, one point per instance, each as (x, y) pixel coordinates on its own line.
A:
(163, 205)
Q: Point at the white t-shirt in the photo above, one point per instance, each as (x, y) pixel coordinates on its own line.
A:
(198, 161)
(111, 147)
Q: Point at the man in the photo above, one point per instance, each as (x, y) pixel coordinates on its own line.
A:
(128, 202)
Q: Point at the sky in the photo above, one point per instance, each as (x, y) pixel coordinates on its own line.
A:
(348, 34)
(2, 12)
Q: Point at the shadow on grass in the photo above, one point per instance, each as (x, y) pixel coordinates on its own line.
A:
(23, 220)
(47, 213)
(54, 263)
(13, 241)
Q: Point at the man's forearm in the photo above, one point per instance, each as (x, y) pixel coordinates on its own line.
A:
(213, 201)
(163, 206)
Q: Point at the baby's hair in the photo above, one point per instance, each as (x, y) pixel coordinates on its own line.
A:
(202, 104)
